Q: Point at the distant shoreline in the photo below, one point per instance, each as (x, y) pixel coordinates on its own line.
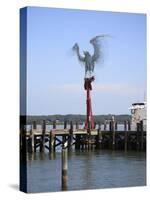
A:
(76, 118)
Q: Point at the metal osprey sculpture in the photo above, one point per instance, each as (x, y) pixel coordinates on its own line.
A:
(90, 60)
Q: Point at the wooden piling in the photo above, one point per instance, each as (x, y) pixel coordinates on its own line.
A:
(99, 138)
(85, 142)
(130, 146)
(63, 139)
(129, 126)
(77, 142)
(34, 125)
(42, 147)
(138, 137)
(110, 135)
(34, 143)
(110, 126)
(54, 124)
(89, 136)
(71, 126)
(54, 143)
(116, 126)
(51, 141)
(30, 150)
(34, 137)
(70, 137)
(95, 124)
(125, 136)
(52, 155)
(65, 124)
(82, 142)
(77, 125)
(113, 133)
(105, 125)
(64, 177)
(125, 125)
(142, 135)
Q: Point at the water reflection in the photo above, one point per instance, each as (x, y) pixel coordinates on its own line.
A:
(86, 170)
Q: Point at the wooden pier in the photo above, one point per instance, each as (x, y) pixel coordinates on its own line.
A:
(80, 139)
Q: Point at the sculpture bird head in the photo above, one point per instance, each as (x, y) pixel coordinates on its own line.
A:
(75, 47)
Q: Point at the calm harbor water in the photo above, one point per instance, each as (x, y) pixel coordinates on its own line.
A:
(86, 170)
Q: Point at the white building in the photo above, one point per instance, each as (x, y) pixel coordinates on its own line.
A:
(138, 113)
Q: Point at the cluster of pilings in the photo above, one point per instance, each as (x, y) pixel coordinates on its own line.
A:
(113, 139)
(80, 139)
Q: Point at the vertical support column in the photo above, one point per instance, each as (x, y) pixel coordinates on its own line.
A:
(70, 137)
(65, 124)
(116, 134)
(116, 126)
(30, 150)
(42, 147)
(54, 124)
(125, 136)
(110, 126)
(110, 139)
(99, 138)
(34, 136)
(63, 139)
(34, 125)
(52, 138)
(77, 125)
(142, 135)
(54, 142)
(105, 125)
(33, 142)
(95, 125)
(77, 143)
(129, 136)
(51, 141)
(64, 177)
(113, 133)
(137, 137)
(82, 142)
(125, 125)
(129, 126)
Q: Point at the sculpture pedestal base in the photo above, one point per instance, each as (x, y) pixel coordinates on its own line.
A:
(89, 124)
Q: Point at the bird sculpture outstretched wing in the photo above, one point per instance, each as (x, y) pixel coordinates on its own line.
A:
(97, 52)
(76, 48)
(97, 47)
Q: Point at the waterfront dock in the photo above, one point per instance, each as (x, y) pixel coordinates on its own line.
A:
(80, 139)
